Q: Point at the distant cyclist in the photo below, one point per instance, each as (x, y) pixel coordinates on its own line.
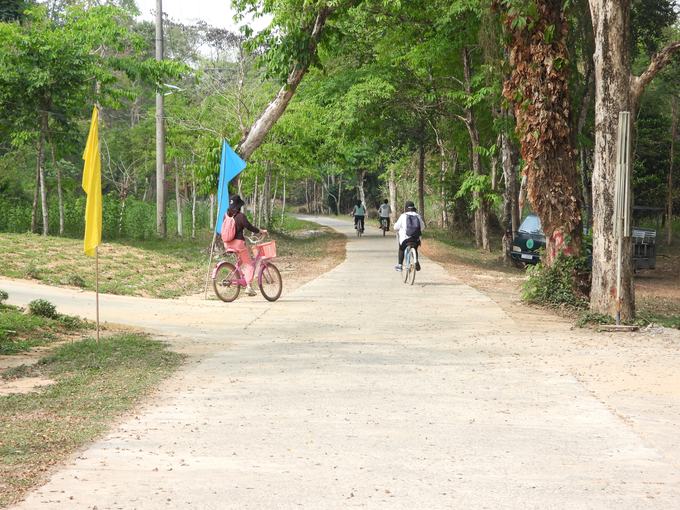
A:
(409, 225)
(385, 210)
(359, 215)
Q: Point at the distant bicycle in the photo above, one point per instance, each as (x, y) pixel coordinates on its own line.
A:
(360, 227)
(228, 278)
(410, 261)
(383, 225)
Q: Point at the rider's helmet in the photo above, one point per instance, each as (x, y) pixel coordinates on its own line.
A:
(410, 206)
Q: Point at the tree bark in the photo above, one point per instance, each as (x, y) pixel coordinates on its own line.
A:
(511, 219)
(59, 192)
(611, 25)
(674, 132)
(41, 164)
(392, 185)
(540, 77)
(421, 182)
(362, 197)
(178, 203)
(36, 193)
(482, 228)
(256, 133)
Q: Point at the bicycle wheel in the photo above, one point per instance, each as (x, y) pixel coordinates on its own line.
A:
(384, 229)
(406, 267)
(414, 259)
(269, 281)
(224, 288)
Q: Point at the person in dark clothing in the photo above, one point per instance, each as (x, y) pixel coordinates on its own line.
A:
(238, 244)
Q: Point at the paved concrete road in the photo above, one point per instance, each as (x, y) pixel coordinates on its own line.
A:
(357, 390)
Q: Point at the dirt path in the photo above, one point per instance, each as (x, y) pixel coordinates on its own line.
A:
(358, 390)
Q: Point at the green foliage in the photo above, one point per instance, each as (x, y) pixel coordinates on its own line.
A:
(43, 308)
(20, 331)
(76, 280)
(480, 184)
(593, 319)
(3, 296)
(562, 284)
(31, 271)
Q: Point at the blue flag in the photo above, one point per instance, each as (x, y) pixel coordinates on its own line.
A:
(230, 166)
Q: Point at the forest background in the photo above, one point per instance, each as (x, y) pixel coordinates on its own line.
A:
(404, 100)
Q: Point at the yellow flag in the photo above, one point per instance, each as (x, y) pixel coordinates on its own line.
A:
(92, 184)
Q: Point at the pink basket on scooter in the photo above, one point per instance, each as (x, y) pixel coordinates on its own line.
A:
(267, 250)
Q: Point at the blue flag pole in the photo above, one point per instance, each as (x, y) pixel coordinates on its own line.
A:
(230, 166)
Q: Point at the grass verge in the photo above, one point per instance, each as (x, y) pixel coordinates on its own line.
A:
(95, 382)
(160, 268)
(20, 331)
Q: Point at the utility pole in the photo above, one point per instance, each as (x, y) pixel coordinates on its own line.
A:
(161, 216)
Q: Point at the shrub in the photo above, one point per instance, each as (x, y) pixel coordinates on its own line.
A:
(3, 296)
(76, 280)
(565, 284)
(43, 308)
(31, 271)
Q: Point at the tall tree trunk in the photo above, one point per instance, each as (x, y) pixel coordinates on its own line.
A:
(362, 197)
(36, 194)
(193, 203)
(59, 192)
(392, 185)
(616, 90)
(511, 217)
(178, 201)
(540, 76)
(674, 132)
(41, 163)
(283, 199)
(580, 124)
(611, 24)
(482, 229)
(421, 182)
(212, 211)
(339, 194)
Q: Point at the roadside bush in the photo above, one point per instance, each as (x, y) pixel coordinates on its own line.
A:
(565, 284)
(3, 296)
(31, 271)
(76, 280)
(43, 308)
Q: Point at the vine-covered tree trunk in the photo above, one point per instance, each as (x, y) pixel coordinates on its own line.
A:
(538, 85)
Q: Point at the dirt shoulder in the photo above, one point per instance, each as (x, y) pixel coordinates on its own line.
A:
(639, 365)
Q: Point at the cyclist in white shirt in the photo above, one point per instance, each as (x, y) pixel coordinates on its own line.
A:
(405, 238)
(385, 211)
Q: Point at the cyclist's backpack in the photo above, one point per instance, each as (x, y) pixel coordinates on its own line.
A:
(413, 225)
(228, 228)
